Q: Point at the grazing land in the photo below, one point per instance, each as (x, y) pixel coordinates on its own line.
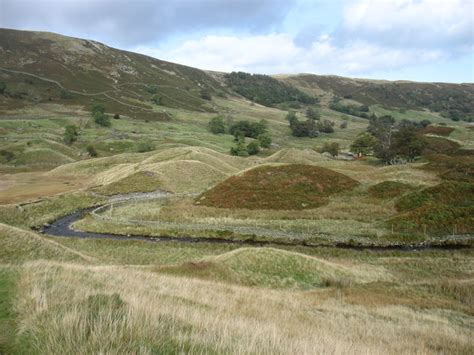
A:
(293, 245)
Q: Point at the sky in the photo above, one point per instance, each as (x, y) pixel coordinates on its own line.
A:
(421, 40)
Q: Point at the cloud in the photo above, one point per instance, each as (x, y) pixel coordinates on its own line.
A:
(279, 53)
(411, 23)
(127, 23)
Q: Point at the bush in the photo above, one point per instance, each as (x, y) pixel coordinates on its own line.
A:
(206, 94)
(102, 119)
(313, 114)
(253, 148)
(248, 129)
(152, 89)
(265, 140)
(216, 125)
(91, 150)
(6, 156)
(156, 100)
(331, 148)
(343, 125)
(70, 134)
(65, 95)
(240, 149)
(145, 146)
(97, 108)
(3, 87)
(116, 116)
(325, 126)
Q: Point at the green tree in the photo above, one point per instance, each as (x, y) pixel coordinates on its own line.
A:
(152, 89)
(265, 140)
(382, 128)
(325, 126)
(156, 100)
(253, 148)
(216, 125)
(364, 144)
(97, 108)
(408, 144)
(70, 134)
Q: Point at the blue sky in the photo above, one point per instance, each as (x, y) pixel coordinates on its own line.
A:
(422, 40)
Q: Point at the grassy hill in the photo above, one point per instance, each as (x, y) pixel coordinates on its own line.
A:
(59, 69)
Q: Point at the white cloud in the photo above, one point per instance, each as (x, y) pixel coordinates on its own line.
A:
(411, 22)
(278, 53)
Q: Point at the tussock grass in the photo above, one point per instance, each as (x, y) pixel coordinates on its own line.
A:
(66, 308)
(274, 268)
(18, 245)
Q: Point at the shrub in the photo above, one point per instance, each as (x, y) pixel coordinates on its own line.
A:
(145, 146)
(206, 94)
(65, 95)
(325, 126)
(253, 148)
(265, 140)
(343, 125)
(102, 119)
(152, 89)
(248, 129)
(70, 134)
(116, 116)
(156, 100)
(240, 149)
(6, 156)
(364, 144)
(312, 113)
(216, 125)
(91, 150)
(97, 108)
(331, 148)
(3, 87)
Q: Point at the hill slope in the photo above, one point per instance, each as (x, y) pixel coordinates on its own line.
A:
(47, 67)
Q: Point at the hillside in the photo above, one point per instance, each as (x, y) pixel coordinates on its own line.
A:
(47, 67)
(454, 101)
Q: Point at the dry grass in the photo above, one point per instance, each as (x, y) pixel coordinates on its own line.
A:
(68, 308)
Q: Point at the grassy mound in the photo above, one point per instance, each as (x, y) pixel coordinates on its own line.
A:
(437, 130)
(142, 181)
(438, 145)
(440, 210)
(273, 268)
(457, 167)
(388, 189)
(278, 187)
(18, 245)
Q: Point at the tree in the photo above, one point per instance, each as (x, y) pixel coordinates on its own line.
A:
(364, 144)
(91, 150)
(291, 117)
(240, 149)
(382, 128)
(265, 140)
(331, 148)
(152, 89)
(216, 125)
(303, 129)
(70, 134)
(408, 144)
(313, 114)
(253, 148)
